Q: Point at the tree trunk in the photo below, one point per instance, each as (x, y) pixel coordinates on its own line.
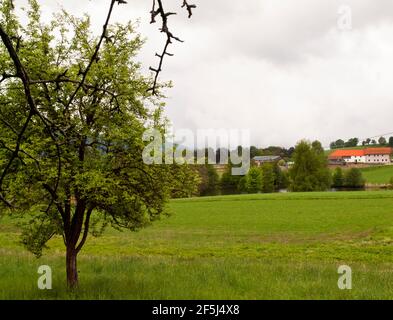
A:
(72, 271)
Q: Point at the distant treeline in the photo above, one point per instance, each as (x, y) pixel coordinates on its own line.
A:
(309, 172)
(354, 142)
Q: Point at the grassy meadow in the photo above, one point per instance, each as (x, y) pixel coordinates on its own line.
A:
(378, 175)
(276, 246)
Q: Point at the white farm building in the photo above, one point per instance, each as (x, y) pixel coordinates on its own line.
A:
(365, 156)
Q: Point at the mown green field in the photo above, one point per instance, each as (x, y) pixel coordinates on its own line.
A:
(279, 246)
(378, 175)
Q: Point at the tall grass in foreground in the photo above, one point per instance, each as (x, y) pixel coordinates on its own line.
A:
(236, 247)
(202, 278)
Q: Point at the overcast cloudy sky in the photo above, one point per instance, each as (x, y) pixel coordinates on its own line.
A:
(283, 69)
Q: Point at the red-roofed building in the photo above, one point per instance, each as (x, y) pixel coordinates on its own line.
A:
(368, 156)
(378, 155)
(369, 151)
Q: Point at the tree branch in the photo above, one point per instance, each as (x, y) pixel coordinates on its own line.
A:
(22, 74)
(189, 7)
(158, 9)
(94, 57)
(86, 229)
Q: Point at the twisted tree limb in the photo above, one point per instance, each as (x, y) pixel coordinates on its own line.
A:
(158, 10)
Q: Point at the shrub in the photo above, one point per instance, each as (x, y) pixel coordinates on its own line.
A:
(268, 178)
(338, 178)
(353, 178)
(254, 180)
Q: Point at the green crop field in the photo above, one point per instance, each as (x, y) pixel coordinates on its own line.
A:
(279, 246)
(378, 175)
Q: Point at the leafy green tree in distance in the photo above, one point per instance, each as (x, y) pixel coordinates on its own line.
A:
(382, 141)
(353, 178)
(186, 183)
(280, 176)
(72, 148)
(210, 181)
(340, 143)
(242, 184)
(214, 181)
(253, 152)
(268, 178)
(254, 180)
(353, 142)
(338, 178)
(310, 171)
(391, 142)
(230, 184)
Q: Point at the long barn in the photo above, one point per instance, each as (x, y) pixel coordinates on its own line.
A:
(366, 156)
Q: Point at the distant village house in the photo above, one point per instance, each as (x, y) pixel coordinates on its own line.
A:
(361, 156)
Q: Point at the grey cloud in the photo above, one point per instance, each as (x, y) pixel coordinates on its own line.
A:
(278, 68)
